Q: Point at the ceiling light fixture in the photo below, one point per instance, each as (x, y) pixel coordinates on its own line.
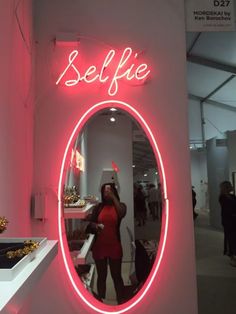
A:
(112, 119)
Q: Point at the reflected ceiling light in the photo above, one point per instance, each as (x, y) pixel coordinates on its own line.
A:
(133, 166)
(112, 119)
(156, 172)
(145, 175)
(113, 109)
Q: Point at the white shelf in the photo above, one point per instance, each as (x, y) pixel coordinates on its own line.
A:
(14, 292)
(79, 213)
(88, 282)
(83, 253)
(9, 274)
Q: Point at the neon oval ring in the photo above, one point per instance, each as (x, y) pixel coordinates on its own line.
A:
(104, 308)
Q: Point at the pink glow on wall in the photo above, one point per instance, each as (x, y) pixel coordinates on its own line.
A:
(73, 277)
(126, 67)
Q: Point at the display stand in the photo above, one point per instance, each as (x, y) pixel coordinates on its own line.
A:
(14, 266)
(14, 292)
(88, 282)
(78, 213)
(80, 258)
(79, 255)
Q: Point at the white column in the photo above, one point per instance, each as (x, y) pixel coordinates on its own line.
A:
(16, 116)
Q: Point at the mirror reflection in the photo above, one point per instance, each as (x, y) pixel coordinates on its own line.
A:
(112, 206)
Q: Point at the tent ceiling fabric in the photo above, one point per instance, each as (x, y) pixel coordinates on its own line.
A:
(211, 63)
(218, 46)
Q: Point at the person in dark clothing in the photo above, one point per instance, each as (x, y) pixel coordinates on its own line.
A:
(194, 202)
(228, 218)
(142, 263)
(140, 206)
(153, 201)
(105, 223)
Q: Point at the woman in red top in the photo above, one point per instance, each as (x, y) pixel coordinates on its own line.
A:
(107, 249)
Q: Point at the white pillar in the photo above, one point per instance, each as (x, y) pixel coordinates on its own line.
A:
(16, 116)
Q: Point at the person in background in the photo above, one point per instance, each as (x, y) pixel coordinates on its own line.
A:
(135, 190)
(160, 198)
(153, 201)
(105, 222)
(140, 206)
(194, 202)
(228, 218)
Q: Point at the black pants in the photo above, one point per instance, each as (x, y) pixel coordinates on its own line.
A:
(229, 240)
(154, 210)
(115, 269)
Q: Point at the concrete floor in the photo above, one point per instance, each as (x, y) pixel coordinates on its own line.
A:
(216, 279)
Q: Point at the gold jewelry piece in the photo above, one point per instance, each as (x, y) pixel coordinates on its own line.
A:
(3, 224)
(29, 247)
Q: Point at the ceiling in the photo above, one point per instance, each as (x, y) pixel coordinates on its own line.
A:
(211, 68)
(211, 73)
(211, 76)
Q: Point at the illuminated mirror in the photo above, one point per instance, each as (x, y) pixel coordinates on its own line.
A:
(112, 202)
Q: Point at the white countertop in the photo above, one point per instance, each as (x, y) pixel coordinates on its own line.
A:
(13, 293)
(79, 213)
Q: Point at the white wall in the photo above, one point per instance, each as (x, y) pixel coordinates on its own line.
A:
(109, 142)
(217, 120)
(158, 28)
(16, 115)
(198, 174)
(194, 119)
(221, 162)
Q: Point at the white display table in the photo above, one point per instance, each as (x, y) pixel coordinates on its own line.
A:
(14, 292)
(79, 257)
(78, 213)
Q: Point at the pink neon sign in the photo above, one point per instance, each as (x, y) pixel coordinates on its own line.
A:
(126, 68)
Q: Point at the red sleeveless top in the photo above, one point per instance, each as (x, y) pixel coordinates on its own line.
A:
(107, 243)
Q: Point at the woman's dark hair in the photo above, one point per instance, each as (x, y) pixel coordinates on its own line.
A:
(226, 187)
(114, 190)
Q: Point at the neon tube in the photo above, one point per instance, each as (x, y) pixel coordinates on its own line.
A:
(92, 303)
(124, 70)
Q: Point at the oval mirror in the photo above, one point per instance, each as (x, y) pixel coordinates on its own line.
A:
(112, 203)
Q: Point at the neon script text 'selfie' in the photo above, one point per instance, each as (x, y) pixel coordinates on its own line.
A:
(127, 68)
